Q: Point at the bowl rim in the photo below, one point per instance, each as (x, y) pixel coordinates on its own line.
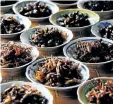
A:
(35, 18)
(36, 56)
(33, 85)
(83, 39)
(88, 81)
(97, 24)
(15, 15)
(57, 88)
(83, 1)
(71, 10)
(71, 4)
(58, 27)
(5, 6)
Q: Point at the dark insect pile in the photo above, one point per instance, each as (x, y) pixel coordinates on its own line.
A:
(75, 19)
(11, 25)
(35, 9)
(14, 55)
(107, 32)
(58, 73)
(48, 37)
(99, 5)
(102, 93)
(22, 95)
(92, 52)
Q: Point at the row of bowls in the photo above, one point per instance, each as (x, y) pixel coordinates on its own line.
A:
(78, 3)
(81, 92)
(78, 31)
(29, 72)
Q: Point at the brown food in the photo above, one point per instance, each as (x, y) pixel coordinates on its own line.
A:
(22, 95)
(92, 52)
(102, 93)
(14, 55)
(58, 72)
(48, 37)
(11, 25)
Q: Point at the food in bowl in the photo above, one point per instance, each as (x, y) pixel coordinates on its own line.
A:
(75, 19)
(98, 5)
(107, 31)
(35, 9)
(57, 72)
(92, 52)
(5, 2)
(23, 94)
(48, 37)
(14, 55)
(11, 25)
(102, 93)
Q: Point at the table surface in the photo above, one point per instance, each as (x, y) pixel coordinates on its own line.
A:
(60, 97)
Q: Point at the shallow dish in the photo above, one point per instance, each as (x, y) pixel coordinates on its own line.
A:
(103, 14)
(95, 28)
(108, 65)
(78, 31)
(40, 88)
(22, 20)
(16, 71)
(30, 72)
(54, 8)
(47, 51)
(85, 87)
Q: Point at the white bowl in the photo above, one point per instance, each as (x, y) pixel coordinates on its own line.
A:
(78, 31)
(44, 92)
(65, 5)
(31, 69)
(87, 86)
(47, 51)
(103, 14)
(108, 65)
(16, 71)
(6, 8)
(95, 28)
(54, 8)
(23, 20)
